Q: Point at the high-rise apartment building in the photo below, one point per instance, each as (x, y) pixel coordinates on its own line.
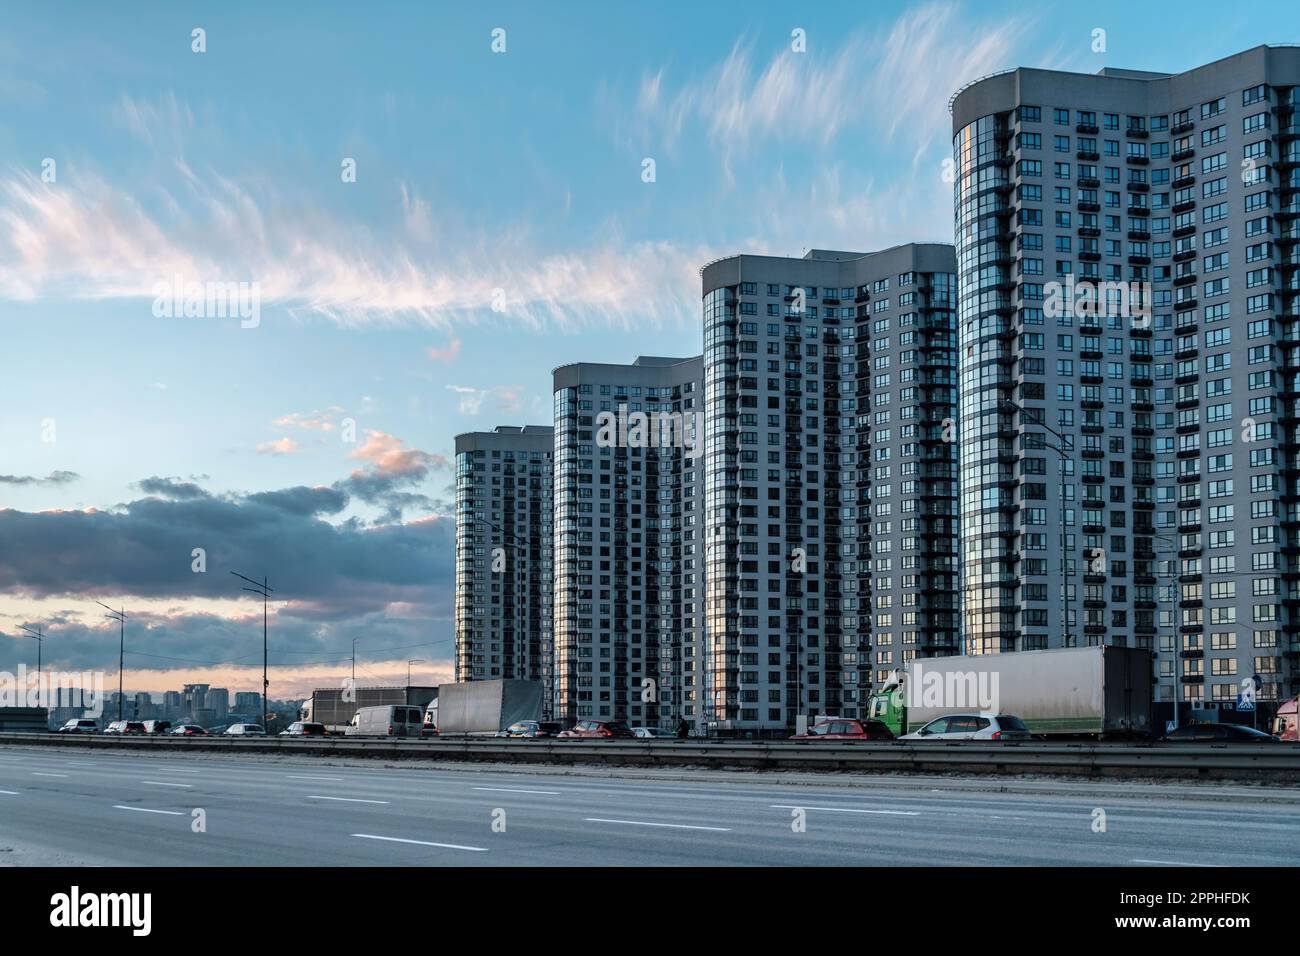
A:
(629, 507)
(195, 698)
(218, 700)
(142, 706)
(503, 554)
(1129, 266)
(831, 482)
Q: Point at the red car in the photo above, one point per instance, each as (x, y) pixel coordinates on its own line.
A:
(599, 729)
(846, 728)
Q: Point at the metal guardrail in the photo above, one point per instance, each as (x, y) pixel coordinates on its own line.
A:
(1270, 761)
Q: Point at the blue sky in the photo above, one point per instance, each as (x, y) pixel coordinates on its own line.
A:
(514, 175)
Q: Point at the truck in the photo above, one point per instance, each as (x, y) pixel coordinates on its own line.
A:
(1101, 691)
(336, 706)
(485, 706)
(1285, 726)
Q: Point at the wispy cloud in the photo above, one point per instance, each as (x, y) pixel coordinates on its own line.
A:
(445, 355)
(897, 81)
(95, 241)
(316, 420)
(472, 399)
(165, 118)
(280, 446)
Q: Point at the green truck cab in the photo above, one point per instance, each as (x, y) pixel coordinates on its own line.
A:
(888, 705)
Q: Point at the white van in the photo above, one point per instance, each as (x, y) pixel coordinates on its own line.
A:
(390, 720)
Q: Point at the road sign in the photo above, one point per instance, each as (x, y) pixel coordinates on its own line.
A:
(1170, 726)
(1245, 704)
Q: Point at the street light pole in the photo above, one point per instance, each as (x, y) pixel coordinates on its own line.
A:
(354, 662)
(1178, 656)
(120, 617)
(408, 677)
(1060, 449)
(262, 588)
(40, 642)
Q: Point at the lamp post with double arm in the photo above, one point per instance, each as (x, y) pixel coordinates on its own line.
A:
(1063, 448)
(120, 617)
(261, 587)
(36, 635)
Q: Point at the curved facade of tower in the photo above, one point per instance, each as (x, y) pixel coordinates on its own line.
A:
(1128, 265)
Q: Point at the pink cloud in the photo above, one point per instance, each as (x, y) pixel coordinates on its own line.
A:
(281, 446)
(447, 355)
(390, 459)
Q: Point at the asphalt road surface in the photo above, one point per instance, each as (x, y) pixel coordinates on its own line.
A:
(66, 807)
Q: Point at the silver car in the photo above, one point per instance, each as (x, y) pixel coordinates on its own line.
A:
(973, 727)
(244, 730)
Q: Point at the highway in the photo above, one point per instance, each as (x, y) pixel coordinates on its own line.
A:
(66, 807)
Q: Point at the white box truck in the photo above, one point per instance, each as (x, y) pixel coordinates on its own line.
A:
(1066, 692)
(486, 706)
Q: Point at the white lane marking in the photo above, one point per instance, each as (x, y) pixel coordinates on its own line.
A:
(445, 846)
(1173, 863)
(510, 790)
(892, 813)
(643, 823)
(316, 796)
(175, 770)
(294, 776)
(12, 793)
(37, 773)
(170, 813)
(166, 783)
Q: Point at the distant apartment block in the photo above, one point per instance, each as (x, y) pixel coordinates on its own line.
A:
(195, 698)
(1130, 467)
(218, 700)
(503, 554)
(629, 506)
(830, 477)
